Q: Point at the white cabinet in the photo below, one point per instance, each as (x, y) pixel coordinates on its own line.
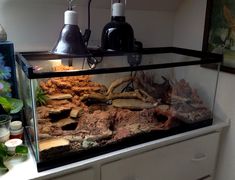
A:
(80, 175)
(193, 159)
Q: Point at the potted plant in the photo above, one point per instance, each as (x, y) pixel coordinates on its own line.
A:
(8, 106)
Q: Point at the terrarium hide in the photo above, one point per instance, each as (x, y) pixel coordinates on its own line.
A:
(81, 112)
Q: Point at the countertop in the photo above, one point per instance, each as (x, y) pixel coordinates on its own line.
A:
(27, 169)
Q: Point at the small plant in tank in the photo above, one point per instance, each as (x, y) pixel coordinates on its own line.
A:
(41, 97)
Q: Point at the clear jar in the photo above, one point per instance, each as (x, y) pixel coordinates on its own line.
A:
(5, 127)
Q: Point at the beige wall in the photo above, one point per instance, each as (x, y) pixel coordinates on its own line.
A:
(191, 36)
(35, 25)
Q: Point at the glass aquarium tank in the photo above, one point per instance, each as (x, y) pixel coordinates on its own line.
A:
(78, 108)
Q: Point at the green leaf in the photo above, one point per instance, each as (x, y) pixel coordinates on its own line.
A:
(21, 150)
(3, 155)
(3, 151)
(5, 104)
(41, 97)
(16, 105)
(11, 105)
(3, 168)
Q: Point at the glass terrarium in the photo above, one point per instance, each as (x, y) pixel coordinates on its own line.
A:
(77, 108)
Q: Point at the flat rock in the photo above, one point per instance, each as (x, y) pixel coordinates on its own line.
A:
(60, 96)
(134, 104)
(53, 143)
(76, 112)
(56, 114)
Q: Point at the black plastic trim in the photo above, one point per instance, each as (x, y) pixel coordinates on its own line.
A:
(205, 58)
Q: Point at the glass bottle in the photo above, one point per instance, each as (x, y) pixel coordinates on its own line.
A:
(5, 127)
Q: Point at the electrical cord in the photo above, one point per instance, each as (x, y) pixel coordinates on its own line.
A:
(89, 14)
(130, 85)
(91, 61)
(87, 33)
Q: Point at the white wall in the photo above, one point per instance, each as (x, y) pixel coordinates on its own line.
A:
(191, 37)
(189, 24)
(35, 25)
(188, 33)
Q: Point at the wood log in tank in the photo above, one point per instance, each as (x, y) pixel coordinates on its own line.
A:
(134, 104)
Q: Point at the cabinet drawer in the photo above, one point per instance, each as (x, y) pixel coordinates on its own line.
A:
(187, 160)
(83, 175)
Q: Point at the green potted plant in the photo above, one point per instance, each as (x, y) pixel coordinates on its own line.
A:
(8, 106)
(20, 152)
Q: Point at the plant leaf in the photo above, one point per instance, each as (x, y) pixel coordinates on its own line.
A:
(22, 150)
(5, 104)
(3, 151)
(16, 105)
(41, 97)
(3, 168)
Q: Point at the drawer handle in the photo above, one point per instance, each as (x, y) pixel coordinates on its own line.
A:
(199, 157)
